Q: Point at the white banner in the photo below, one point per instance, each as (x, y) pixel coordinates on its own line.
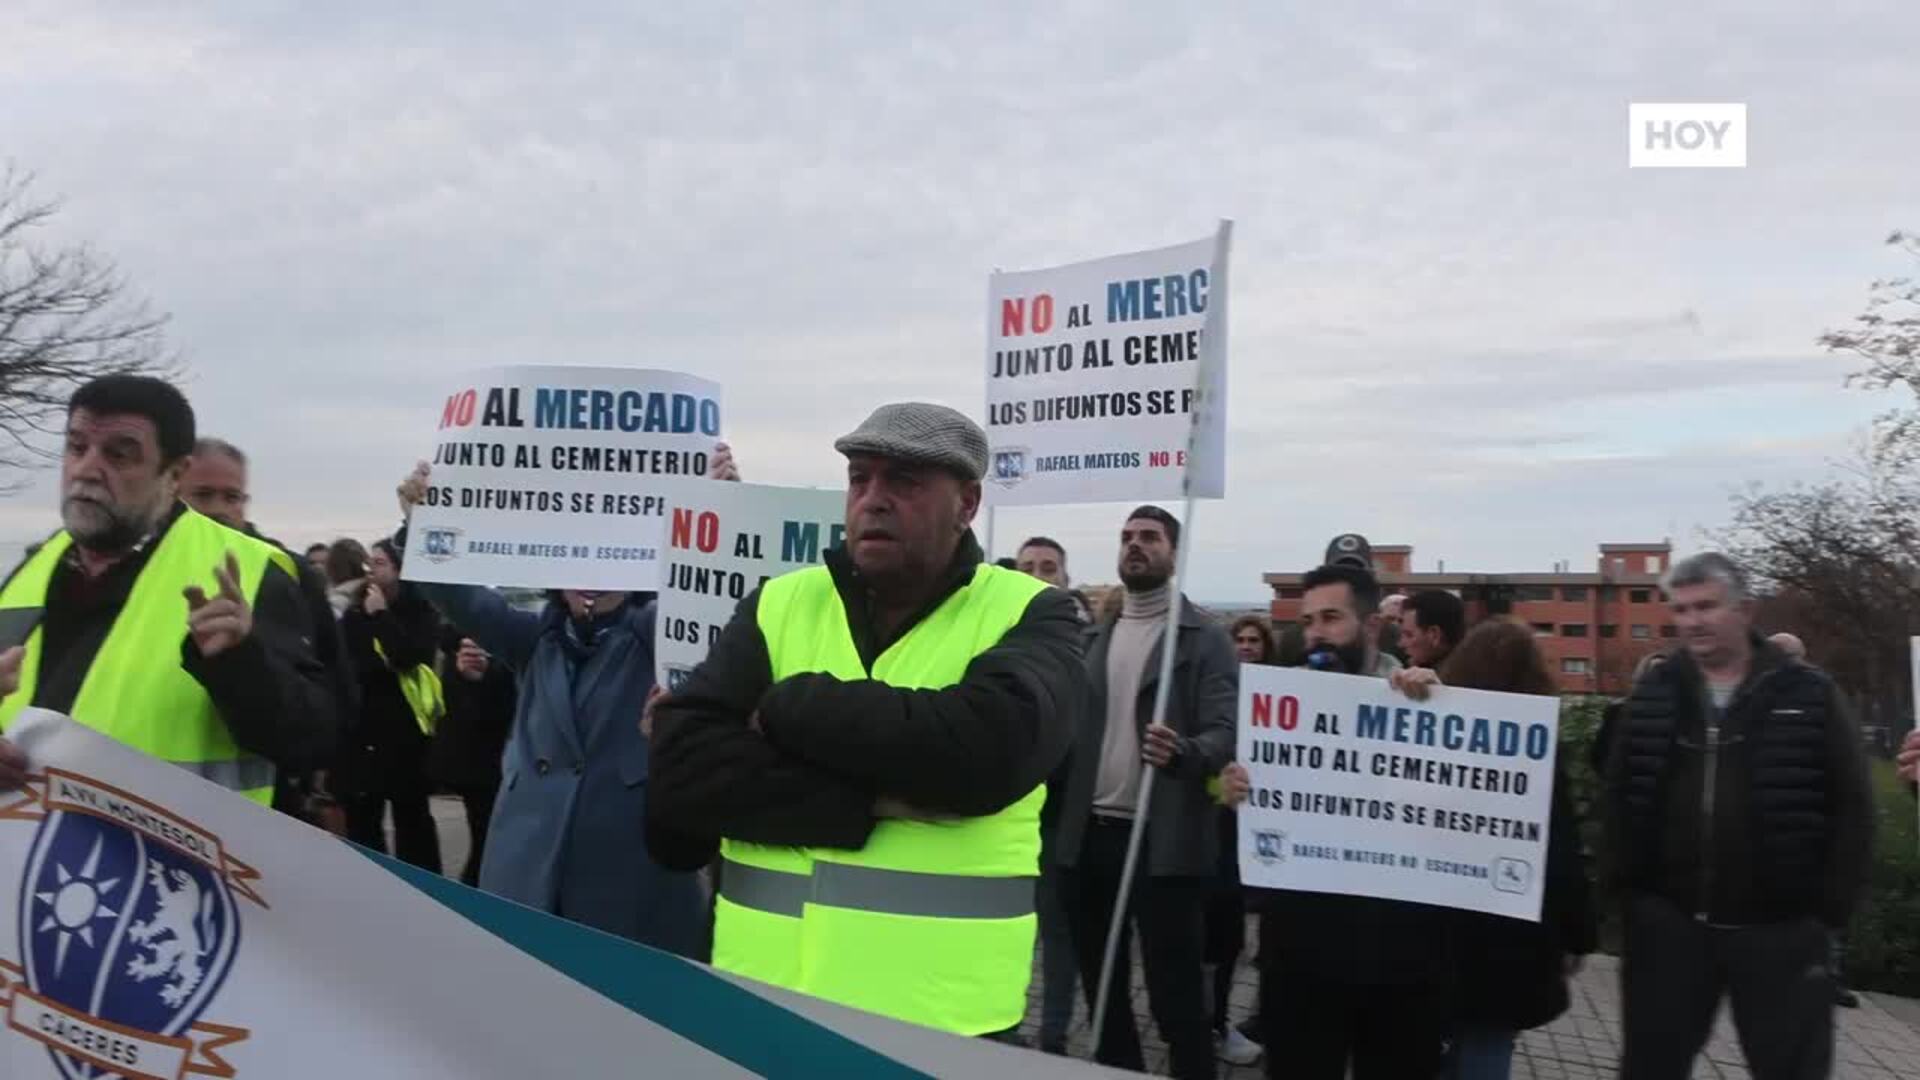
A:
(1359, 790)
(723, 542)
(1104, 377)
(156, 927)
(551, 477)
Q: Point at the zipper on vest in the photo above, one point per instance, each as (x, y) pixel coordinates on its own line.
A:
(1708, 784)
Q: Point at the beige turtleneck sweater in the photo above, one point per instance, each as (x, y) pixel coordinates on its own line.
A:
(1143, 622)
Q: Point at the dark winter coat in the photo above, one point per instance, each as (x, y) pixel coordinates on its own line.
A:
(1771, 822)
(386, 752)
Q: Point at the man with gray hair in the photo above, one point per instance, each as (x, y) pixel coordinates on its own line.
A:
(1740, 824)
(866, 747)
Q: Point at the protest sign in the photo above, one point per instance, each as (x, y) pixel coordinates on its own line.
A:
(723, 542)
(154, 926)
(1359, 790)
(550, 477)
(1098, 373)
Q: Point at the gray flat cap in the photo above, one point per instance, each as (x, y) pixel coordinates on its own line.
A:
(923, 433)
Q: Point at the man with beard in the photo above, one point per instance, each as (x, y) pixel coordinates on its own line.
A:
(865, 746)
(215, 484)
(136, 579)
(1347, 979)
(1179, 851)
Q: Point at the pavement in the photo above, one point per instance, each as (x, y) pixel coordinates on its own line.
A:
(1878, 1041)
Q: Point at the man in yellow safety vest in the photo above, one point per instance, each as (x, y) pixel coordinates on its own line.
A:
(151, 623)
(867, 744)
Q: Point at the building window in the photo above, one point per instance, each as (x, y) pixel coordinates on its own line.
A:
(1543, 629)
(1642, 633)
(1533, 592)
(1640, 596)
(1669, 630)
(1576, 665)
(1608, 594)
(1654, 564)
(1608, 629)
(1573, 592)
(1290, 592)
(1573, 629)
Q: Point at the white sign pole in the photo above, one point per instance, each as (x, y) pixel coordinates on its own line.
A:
(1212, 353)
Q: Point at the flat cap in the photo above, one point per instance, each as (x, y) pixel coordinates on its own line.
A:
(922, 433)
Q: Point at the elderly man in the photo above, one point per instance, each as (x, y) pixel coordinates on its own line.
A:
(1740, 822)
(152, 624)
(866, 743)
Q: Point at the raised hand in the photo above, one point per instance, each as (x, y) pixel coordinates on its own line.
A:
(413, 490)
(220, 623)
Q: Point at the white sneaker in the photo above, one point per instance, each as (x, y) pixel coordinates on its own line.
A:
(1236, 1049)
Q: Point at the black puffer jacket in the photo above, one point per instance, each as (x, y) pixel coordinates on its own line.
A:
(1771, 822)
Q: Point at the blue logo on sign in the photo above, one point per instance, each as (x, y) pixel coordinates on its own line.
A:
(440, 545)
(1269, 846)
(124, 937)
(1009, 466)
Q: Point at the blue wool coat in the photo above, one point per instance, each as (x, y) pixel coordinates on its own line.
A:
(568, 834)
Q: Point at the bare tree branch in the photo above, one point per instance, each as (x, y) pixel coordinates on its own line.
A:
(65, 318)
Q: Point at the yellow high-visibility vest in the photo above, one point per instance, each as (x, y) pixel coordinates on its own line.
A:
(930, 922)
(136, 690)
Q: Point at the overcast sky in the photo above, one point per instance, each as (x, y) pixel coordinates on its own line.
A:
(1459, 320)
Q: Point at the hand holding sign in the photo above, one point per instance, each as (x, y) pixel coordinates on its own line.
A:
(722, 466)
(1909, 759)
(224, 621)
(413, 490)
(1417, 683)
(1235, 784)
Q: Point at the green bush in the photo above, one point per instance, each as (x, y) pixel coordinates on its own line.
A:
(1883, 946)
(1579, 727)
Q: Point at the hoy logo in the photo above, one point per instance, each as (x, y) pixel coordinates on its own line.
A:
(1686, 136)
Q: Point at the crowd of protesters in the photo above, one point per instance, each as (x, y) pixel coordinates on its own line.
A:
(1734, 793)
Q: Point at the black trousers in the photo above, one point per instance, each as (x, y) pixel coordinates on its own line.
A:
(1676, 968)
(478, 801)
(1226, 936)
(1313, 1026)
(1169, 913)
(415, 839)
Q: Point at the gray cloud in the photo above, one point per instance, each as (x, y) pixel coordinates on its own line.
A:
(1459, 320)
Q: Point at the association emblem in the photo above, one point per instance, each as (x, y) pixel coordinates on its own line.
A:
(129, 925)
(1009, 465)
(440, 545)
(1270, 846)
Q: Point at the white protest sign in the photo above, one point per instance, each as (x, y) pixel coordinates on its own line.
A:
(1104, 377)
(156, 927)
(550, 477)
(724, 540)
(1362, 791)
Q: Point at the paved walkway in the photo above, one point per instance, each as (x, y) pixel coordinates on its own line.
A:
(1878, 1041)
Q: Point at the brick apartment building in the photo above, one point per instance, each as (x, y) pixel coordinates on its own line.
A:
(1593, 627)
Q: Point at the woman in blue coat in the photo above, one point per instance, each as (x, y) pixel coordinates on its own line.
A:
(568, 834)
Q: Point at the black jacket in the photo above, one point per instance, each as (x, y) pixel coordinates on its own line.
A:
(328, 647)
(1786, 832)
(825, 749)
(1356, 940)
(1183, 833)
(1509, 972)
(472, 737)
(271, 690)
(386, 750)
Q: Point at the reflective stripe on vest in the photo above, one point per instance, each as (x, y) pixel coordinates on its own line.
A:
(129, 693)
(930, 922)
(885, 892)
